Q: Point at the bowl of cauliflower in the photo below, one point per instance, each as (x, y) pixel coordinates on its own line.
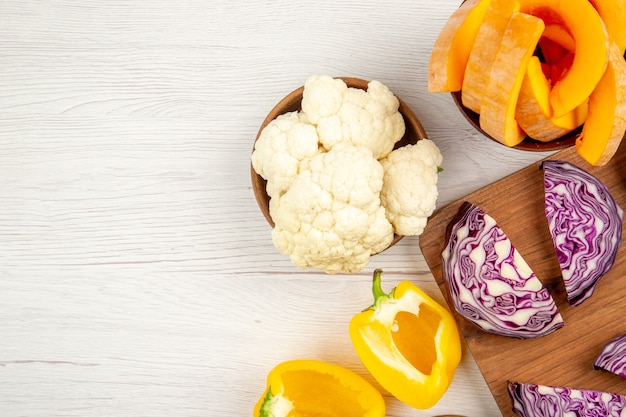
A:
(342, 169)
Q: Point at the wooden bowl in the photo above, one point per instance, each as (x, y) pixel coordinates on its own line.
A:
(528, 144)
(292, 102)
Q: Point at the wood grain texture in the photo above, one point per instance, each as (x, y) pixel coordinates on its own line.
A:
(565, 357)
(137, 274)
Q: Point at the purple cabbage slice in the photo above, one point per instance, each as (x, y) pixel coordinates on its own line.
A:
(612, 358)
(585, 223)
(490, 284)
(530, 400)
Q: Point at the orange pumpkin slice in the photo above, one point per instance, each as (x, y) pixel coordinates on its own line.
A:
(605, 126)
(452, 47)
(533, 112)
(484, 50)
(587, 29)
(497, 117)
(613, 13)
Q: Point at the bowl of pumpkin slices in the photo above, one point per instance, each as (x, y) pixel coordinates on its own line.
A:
(537, 75)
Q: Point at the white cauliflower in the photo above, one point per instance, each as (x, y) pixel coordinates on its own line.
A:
(337, 191)
(281, 148)
(409, 190)
(331, 217)
(351, 115)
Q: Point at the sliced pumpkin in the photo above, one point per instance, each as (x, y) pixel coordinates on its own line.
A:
(613, 13)
(559, 35)
(497, 117)
(605, 126)
(484, 50)
(452, 47)
(533, 112)
(587, 29)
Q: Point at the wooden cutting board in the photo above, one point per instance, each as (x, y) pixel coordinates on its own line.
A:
(565, 357)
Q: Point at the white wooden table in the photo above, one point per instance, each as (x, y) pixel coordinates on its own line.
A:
(137, 275)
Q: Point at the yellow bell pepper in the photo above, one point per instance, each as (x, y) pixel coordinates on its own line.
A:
(312, 388)
(408, 342)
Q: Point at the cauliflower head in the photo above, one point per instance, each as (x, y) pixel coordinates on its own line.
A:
(409, 192)
(351, 115)
(338, 191)
(282, 147)
(331, 217)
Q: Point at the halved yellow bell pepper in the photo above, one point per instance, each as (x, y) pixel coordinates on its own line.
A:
(312, 388)
(408, 342)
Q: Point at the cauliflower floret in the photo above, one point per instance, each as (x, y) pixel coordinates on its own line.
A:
(322, 96)
(331, 217)
(281, 149)
(409, 192)
(351, 115)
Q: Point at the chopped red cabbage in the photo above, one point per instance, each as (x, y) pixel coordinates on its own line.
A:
(490, 283)
(530, 400)
(586, 226)
(613, 357)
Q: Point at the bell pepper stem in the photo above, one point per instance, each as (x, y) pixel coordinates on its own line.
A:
(377, 289)
(266, 406)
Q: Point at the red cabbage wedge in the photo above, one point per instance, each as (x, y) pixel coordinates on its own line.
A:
(586, 226)
(613, 357)
(530, 400)
(490, 283)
